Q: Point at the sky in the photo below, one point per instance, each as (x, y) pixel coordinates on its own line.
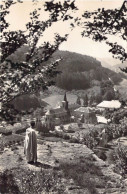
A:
(19, 16)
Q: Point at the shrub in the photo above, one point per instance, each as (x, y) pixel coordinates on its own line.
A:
(66, 136)
(89, 140)
(101, 154)
(7, 183)
(6, 131)
(120, 159)
(117, 130)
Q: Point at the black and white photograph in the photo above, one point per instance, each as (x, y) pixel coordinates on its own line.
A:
(63, 97)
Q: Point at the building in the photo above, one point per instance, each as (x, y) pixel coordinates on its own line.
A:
(86, 115)
(110, 105)
(102, 119)
(61, 114)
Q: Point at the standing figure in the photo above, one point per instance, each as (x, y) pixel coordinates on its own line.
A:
(104, 138)
(30, 144)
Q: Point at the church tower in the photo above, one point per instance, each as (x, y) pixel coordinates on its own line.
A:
(65, 102)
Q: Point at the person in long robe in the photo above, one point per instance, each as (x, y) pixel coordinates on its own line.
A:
(104, 138)
(30, 144)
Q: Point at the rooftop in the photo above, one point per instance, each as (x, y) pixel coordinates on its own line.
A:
(110, 104)
(84, 109)
(101, 119)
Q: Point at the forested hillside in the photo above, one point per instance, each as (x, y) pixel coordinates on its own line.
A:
(77, 71)
(82, 72)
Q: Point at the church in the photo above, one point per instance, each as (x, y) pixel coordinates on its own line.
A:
(61, 114)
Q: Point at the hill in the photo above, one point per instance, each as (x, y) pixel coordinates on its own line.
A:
(117, 67)
(78, 71)
(81, 71)
(114, 67)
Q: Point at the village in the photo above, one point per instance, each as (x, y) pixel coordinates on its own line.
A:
(62, 133)
(69, 120)
(63, 97)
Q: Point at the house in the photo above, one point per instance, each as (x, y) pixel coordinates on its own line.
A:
(110, 105)
(102, 119)
(86, 114)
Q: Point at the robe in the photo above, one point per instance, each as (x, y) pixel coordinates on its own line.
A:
(30, 145)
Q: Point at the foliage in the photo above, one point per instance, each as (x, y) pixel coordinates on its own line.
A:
(118, 115)
(117, 130)
(19, 78)
(5, 131)
(90, 140)
(31, 181)
(101, 154)
(78, 101)
(85, 100)
(27, 102)
(7, 183)
(98, 98)
(104, 22)
(8, 113)
(10, 140)
(91, 100)
(120, 159)
(109, 95)
(80, 71)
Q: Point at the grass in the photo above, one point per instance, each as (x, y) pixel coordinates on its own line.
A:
(85, 174)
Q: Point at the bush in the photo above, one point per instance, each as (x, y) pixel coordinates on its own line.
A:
(7, 183)
(6, 131)
(66, 136)
(89, 140)
(101, 154)
(44, 181)
(120, 159)
(117, 130)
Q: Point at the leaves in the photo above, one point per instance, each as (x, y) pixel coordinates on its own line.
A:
(102, 23)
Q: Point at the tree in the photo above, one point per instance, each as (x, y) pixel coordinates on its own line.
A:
(33, 74)
(98, 98)
(30, 75)
(91, 100)
(85, 100)
(104, 22)
(78, 101)
(109, 95)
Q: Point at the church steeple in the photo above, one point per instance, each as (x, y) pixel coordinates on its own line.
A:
(65, 102)
(65, 97)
